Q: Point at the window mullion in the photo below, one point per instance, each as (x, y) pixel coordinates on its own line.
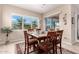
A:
(23, 23)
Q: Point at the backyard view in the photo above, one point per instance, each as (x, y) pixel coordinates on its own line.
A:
(17, 22)
(27, 22)
(51, 23)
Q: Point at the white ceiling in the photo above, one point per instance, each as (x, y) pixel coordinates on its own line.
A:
(39, 8)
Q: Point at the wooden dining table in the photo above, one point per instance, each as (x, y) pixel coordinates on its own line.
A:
(44, 36)
(39, 37)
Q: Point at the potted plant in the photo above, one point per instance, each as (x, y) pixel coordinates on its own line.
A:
(7, 31)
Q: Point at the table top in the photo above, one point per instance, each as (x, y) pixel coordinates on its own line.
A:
(38, 35)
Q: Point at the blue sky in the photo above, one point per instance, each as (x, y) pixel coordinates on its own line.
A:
(28, 20)
(15, 17)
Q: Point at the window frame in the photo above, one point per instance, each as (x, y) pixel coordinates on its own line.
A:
(38, 25)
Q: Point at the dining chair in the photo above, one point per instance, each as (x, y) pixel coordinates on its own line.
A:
(18, 49)
(59, 40)
(53, 38)
(29, 43)
(48, 45)
(30, 31)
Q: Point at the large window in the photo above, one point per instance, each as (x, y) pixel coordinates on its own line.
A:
(24, 22)
(51, 23)
(31, 22)
(17, 22)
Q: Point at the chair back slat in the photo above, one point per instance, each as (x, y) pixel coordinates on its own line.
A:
(52, 36)
(59, 34)
(29, 42)
(26, 41)
(26, 37)
(30, 30)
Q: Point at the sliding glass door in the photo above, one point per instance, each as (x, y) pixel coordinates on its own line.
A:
(51, 23)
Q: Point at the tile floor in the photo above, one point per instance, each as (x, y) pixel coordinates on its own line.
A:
(11, 48)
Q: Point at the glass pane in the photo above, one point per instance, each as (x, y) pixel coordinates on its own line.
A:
(17, 22)
(27, 22)
(35, 22)
(78, 27)
(51, 23)
(30, 22)
(47, 23)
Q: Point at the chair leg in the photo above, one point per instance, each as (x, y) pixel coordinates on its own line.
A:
(27, 49)
(60, 49)
(34, 47)
(56, 49)
(53, 49)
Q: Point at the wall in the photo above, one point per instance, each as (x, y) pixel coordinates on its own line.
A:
(0, 16)
(62, 10)
(7, 11)
(0, 22)
(75, 12)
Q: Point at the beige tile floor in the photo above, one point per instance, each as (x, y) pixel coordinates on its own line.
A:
(73, 48)
(10, 48)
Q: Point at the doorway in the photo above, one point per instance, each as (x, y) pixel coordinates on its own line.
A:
(52, 22)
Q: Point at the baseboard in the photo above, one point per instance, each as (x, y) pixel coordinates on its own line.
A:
(68, 43)
(11, 42)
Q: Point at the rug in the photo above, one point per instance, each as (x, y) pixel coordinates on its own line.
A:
(20, 50)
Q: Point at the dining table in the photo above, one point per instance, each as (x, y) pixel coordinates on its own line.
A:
(38, 36)
(44, 37)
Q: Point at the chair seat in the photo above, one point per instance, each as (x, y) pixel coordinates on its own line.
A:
(33, 41)
(45, 46)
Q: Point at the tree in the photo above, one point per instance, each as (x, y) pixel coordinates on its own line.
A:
(34, 24)
(18, 23)
(7, 31)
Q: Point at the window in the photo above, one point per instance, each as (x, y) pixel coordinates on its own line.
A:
(31, 22)
(24, 22)
(17, 22)
(51, 23)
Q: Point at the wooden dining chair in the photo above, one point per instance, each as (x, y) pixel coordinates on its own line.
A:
(30, 30)
(48, 45)
(53, 38)
(59, 40)
(29, 43)
(18, 49)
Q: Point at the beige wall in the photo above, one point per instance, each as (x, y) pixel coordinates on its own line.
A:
(7, 11)
(62, 10)
(75, 12)
(0, 16)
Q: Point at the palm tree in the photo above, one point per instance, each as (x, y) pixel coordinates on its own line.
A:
(18, 23)
(34, 24)
(7, 31)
